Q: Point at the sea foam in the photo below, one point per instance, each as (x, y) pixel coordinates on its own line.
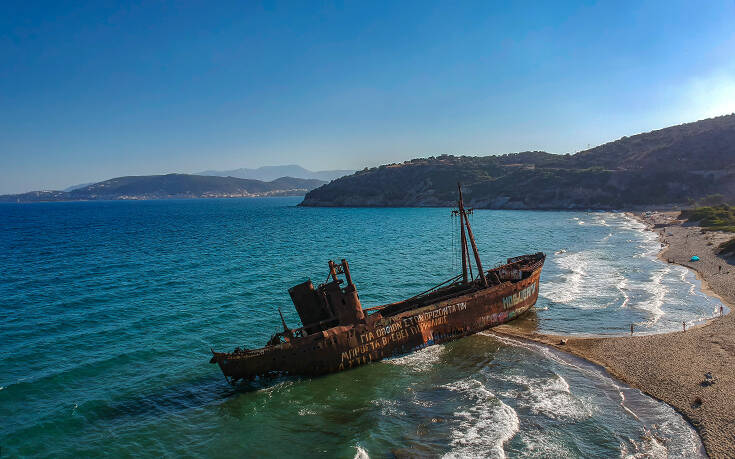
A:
(484, 426)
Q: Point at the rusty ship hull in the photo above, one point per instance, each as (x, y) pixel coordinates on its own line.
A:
(338, 334)
(385, 335)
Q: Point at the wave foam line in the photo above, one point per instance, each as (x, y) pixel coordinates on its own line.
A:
(683, 432)
(570, 288)
(484, 427)
(658, 292)
(550, 397)
(361, 453)
(692, 286)
(586, 276)
(622, 288)
(422, 360)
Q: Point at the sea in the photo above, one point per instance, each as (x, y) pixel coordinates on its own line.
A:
(108, 312)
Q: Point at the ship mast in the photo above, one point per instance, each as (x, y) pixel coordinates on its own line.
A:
(464, 241)
(465, 222)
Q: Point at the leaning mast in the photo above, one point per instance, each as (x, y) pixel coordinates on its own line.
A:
(465, 222)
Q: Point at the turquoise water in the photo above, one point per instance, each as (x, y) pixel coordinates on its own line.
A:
(109, 309)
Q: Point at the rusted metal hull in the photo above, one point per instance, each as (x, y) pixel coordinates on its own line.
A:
(383, 334)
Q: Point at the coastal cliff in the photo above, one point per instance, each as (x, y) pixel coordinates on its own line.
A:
(657, 168)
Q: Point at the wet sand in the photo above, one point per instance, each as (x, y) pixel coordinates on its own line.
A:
(692, 370)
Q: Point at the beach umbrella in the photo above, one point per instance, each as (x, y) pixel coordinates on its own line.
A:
(694, 258)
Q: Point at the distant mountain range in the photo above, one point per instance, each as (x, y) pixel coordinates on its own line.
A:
(172, 186)
(268, 173)
(658, 168)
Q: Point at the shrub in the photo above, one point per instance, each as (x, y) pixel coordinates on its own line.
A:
(714, 218)
(727, 247)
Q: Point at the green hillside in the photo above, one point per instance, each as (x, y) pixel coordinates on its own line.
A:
(666, 167)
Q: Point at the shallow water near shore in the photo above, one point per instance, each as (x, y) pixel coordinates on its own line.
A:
(109, 310)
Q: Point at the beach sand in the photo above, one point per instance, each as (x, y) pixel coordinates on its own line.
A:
(674, 367)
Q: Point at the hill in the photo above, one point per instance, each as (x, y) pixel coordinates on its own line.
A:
(172, 186)
(664, 167)
(274, 172)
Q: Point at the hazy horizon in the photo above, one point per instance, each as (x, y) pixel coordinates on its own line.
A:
(93, 92)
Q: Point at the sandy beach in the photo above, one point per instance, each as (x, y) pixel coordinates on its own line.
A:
(692, 370)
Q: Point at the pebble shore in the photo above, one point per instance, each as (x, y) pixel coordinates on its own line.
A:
(692, 370)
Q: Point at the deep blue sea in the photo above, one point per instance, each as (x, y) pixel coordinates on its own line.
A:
(108, 311)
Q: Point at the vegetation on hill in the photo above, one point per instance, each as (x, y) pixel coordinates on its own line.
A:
(706, 144)
(727, 247)
(715, 218)
(664, 167)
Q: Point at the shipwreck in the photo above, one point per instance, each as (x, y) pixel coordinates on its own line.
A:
(338, 334)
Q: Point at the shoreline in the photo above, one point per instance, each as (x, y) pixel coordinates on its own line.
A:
(705, 287)
(673, 367)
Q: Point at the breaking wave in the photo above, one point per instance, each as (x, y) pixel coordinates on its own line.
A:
(662, 432)
(684, 271)
(550, 397)
(360, 453)
(612, 264)
(569, 286)
(420, 361)
(537, 443)
(583, 280)
(655, 295)
(484, 426)
(622, 287)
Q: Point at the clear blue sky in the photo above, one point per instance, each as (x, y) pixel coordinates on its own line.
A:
(94, 91)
